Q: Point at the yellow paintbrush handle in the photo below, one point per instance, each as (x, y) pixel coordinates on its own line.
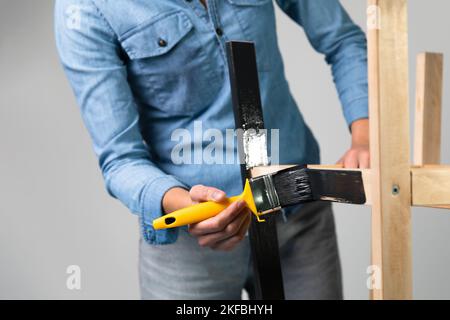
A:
(192, 214)
(203, 211)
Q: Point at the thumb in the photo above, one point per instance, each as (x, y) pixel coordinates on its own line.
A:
(200, 193)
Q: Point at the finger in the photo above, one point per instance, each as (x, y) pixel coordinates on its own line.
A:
(351, 160)
(231, 243)
(364, 160)
(340, 161)
(202, 193)
(229, 231)
(218, 222)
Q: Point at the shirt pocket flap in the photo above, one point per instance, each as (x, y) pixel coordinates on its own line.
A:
(157, 36)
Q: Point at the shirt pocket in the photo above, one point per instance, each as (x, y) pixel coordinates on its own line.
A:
(261, 31)
(168, 69)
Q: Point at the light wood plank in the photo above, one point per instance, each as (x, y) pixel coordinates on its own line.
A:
(389, 144)
(263, 170)
(431, 186)
(427, 130)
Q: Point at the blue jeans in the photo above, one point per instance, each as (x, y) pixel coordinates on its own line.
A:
(309, 260)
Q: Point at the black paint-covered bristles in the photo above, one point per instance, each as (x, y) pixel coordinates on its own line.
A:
(299, 184)
(337, 185)
(293, 186)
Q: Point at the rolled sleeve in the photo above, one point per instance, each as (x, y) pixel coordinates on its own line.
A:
(89, 53)
(152, 209)
(356, 110)
(331, 32)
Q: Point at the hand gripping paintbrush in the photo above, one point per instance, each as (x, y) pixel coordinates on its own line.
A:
(269, 193)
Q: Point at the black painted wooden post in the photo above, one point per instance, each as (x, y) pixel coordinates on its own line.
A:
(249, 117)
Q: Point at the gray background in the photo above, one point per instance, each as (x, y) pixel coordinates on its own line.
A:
(54, 211)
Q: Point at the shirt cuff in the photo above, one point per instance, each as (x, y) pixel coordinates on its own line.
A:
(357, 109)
(152, 209)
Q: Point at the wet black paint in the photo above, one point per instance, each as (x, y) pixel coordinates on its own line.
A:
(248, 115)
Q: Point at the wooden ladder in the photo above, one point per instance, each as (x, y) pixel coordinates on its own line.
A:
(393, 185)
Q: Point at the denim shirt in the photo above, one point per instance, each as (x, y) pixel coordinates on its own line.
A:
(141, 69)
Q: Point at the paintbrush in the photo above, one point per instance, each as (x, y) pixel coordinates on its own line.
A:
(271, 192)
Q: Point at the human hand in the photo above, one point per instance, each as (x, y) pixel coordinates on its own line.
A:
(221, 232)
(358, 156)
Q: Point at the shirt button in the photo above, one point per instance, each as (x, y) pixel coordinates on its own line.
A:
(219, 32)
(162, 42)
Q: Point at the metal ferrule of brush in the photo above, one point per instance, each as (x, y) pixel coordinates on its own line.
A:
(264, 194)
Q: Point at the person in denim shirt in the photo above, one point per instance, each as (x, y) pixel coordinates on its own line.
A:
(141, 70)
